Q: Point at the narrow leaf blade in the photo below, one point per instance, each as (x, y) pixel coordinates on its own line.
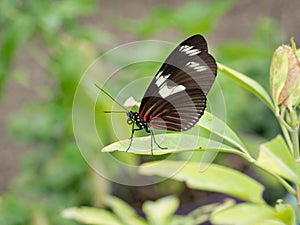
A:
(89, 215)
(215, 178)
(124, 211)
(216, 126)
(249, 84)
(248, 214)
(162, 210)
(176, 142)
(275, 157)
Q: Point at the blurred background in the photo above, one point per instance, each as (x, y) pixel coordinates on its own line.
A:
(45, 46)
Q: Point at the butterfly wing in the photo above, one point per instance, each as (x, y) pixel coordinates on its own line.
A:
(176, 97)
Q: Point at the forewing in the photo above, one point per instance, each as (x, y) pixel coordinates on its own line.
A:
(176, 97)
(178, 111)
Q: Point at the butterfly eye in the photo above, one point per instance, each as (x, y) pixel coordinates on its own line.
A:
(129, 121)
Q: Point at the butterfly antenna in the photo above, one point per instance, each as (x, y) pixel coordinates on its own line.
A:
(114, 112)
(111, 99)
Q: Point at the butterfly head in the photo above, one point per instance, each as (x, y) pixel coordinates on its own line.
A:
(134, 117)
(130, 119)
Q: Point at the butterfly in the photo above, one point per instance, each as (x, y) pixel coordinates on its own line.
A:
(176, 97)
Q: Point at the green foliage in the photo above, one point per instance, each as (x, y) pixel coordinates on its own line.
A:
(252, 214)
(55, 176)
(275, 157)
(216, 178)
(160, 212)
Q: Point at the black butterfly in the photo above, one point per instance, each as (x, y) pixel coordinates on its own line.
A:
(176, 98)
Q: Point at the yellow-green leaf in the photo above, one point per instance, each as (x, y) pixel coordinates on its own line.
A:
(248, 214)
(275, 157)
(215, 178)
(249, 84)
(89, 215)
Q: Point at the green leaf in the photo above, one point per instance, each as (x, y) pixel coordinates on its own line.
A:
(249, 214)
(249, 84)
(176, 142)
(161, 211)
(216, 126)
(275, 157)
(215, 178)
(89, 215)
(285, 212)
(203, 213)
(123, 211)
(180, 142)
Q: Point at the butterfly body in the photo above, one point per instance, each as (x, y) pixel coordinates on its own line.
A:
(134, 117)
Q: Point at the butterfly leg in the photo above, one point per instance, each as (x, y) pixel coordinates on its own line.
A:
(153, 137)
(131, 136)
(151, 143)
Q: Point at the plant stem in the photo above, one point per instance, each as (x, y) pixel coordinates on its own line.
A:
(295, 140)
(244, 155)
(286, 129)
(298, 198)
(298, 193)
(287, 137)
(283, 123)
(287, 186)
(295, 134)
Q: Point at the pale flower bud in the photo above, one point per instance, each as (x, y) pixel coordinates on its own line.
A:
(285, 77)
